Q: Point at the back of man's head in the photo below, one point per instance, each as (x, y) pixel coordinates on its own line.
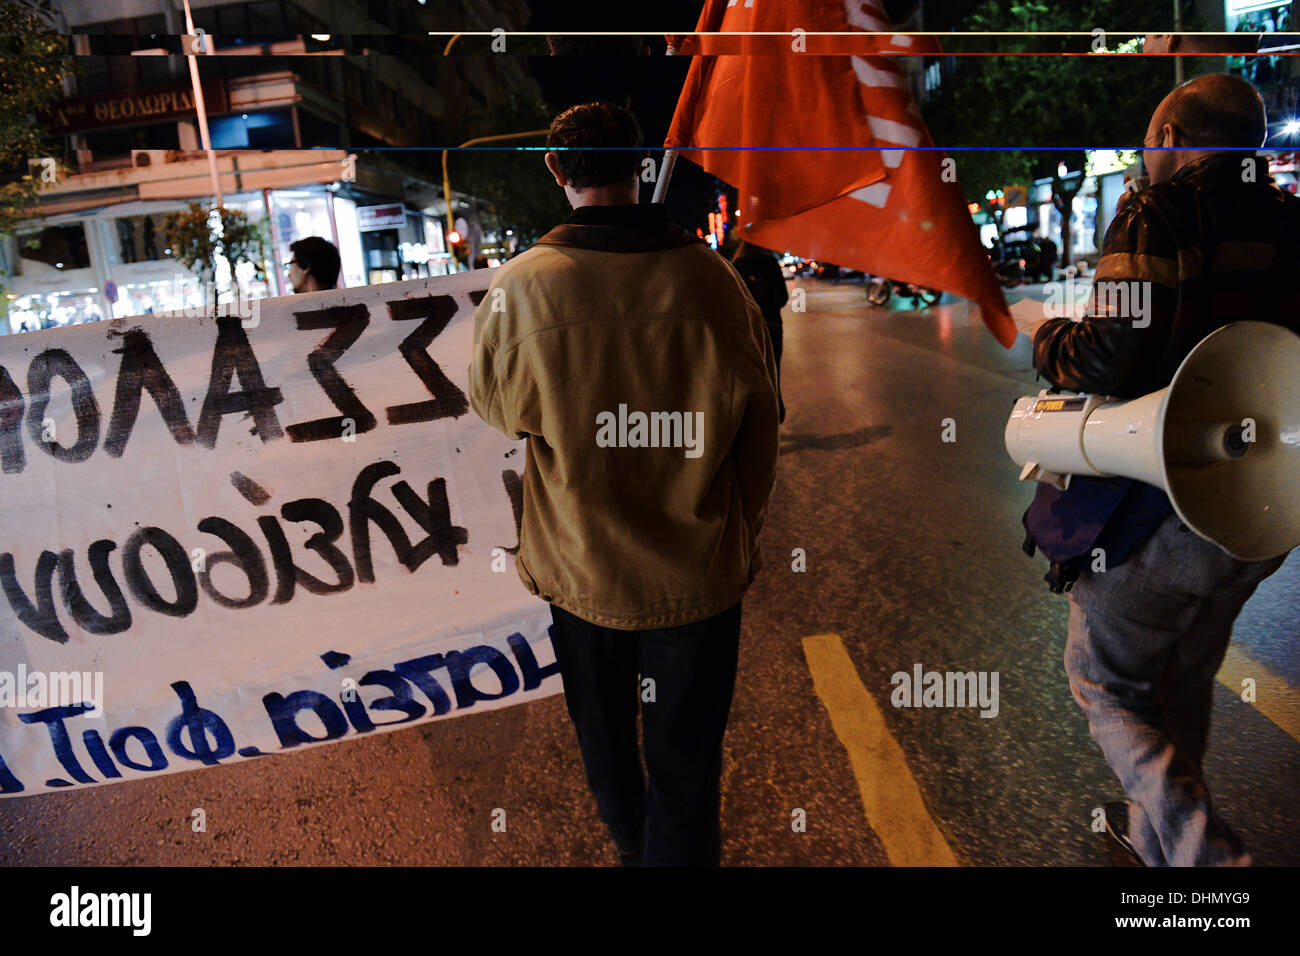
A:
(596, 144)
(320, 258)
(1216, 110)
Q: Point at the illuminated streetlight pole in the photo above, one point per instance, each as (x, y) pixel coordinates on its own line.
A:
(199, 106)
(446, 178)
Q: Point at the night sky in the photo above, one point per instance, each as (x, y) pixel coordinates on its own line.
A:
(648, 84)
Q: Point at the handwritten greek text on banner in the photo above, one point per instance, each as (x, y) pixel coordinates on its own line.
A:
(228, 537)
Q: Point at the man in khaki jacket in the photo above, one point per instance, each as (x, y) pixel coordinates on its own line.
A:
(636, 364)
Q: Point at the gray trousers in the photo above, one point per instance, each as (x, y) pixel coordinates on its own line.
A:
(1146, 639)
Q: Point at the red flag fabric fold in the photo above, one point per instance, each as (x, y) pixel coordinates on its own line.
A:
(823, 173)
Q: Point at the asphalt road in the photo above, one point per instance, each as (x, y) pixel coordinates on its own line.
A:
(912, 557)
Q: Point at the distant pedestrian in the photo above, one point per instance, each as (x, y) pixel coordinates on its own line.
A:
(150, 240)
(314, 265)
(763, 277)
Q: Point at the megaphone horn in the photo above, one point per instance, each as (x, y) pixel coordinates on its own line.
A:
(1222, 440)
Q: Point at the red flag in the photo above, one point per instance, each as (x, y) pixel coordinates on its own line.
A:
(893, 212)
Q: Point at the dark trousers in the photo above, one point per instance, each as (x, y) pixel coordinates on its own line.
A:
(776, 332)
(675, 822)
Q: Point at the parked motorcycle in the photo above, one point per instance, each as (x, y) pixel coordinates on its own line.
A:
(1010, 272)
(1023, 260)
(880, 290)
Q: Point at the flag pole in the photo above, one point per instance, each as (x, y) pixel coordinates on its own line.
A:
(200, 107)
(661, 187)
(670, 160)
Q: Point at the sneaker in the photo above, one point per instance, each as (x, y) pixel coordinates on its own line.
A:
(1117, 827)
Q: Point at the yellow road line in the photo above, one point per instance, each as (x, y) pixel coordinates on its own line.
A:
(1275, 698)
(892, 800)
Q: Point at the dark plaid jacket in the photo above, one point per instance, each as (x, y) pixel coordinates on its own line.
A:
(1223, 210)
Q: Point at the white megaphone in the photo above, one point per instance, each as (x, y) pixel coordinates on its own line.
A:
(1222, 440)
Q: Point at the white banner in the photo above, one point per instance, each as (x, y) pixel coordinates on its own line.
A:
(237, 536)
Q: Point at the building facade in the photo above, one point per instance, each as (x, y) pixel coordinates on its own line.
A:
(1033, 215)
(308, 129)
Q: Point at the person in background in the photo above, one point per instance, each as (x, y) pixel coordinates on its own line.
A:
(314, 265)
(642, 546)
(762, 275)
(126, 238)
(150, 240)
(1214, 240)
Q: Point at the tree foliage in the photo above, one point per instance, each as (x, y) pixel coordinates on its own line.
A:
(196, 244)
(33, 61)
(520, 192)
(1047, 101)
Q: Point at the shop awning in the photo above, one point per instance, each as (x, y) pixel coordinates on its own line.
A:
(189, 178)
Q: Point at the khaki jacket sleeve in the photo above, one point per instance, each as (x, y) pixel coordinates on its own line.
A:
(758, 438)
(491, 380)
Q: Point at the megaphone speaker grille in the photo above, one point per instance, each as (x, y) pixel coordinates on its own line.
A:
(1246, 375)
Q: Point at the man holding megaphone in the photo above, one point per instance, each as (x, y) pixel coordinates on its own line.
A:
(1161, 515)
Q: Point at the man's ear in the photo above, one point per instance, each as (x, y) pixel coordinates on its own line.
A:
(1159, 43)
(553, 164)
(1169, 135)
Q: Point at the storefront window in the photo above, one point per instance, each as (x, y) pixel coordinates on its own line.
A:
(148, 298)
(266, 129)
(299, 214)
(1254, 16)
(27, 313)
(353, 262)
(1284, 170)
(436, 244)
(1258, 16)
(141, 238)
(1017, 217)
(61, 247)
(254, 281)
(383, 262)
(140, 287)
(1083, 225)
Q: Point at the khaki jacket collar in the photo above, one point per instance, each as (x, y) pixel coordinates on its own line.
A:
(637, 227)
